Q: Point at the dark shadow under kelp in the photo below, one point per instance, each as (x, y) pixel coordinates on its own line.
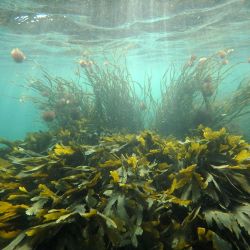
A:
(128, 192)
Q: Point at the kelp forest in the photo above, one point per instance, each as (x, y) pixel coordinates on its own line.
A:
(120, 168)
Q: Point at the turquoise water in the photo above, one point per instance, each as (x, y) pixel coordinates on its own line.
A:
(152, 33)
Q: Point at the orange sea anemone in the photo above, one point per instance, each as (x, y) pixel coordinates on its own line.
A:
(207, 87)
(202, 60)
(225, 62)
(142, 106)
(48, 116)
(229, 51)
(222, 54)
(191, 60)
(85, 63)
(18, 55)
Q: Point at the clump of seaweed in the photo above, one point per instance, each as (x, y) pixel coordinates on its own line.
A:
(103, 98)
(106, 99)
(191, 98)
(128, 192)
(117, 105)
(61, 102)
(75, 187)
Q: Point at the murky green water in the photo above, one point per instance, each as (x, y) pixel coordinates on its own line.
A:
(153, 34)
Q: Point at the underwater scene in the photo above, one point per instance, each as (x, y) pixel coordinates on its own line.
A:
(124, 124)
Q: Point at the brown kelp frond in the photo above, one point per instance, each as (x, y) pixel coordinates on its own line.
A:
(128, 192)
(192, 97)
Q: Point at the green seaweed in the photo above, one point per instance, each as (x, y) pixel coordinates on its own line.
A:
(104, 98)
(193, 96)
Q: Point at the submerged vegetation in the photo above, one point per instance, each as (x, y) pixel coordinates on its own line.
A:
(106, 99)
(193, 97)
(94, 180)
(128, 192)
(116, 104)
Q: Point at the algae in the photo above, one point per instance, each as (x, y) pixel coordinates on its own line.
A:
(128, 192)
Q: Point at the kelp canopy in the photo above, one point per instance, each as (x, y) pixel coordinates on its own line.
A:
(127, 192)
(88, 183)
